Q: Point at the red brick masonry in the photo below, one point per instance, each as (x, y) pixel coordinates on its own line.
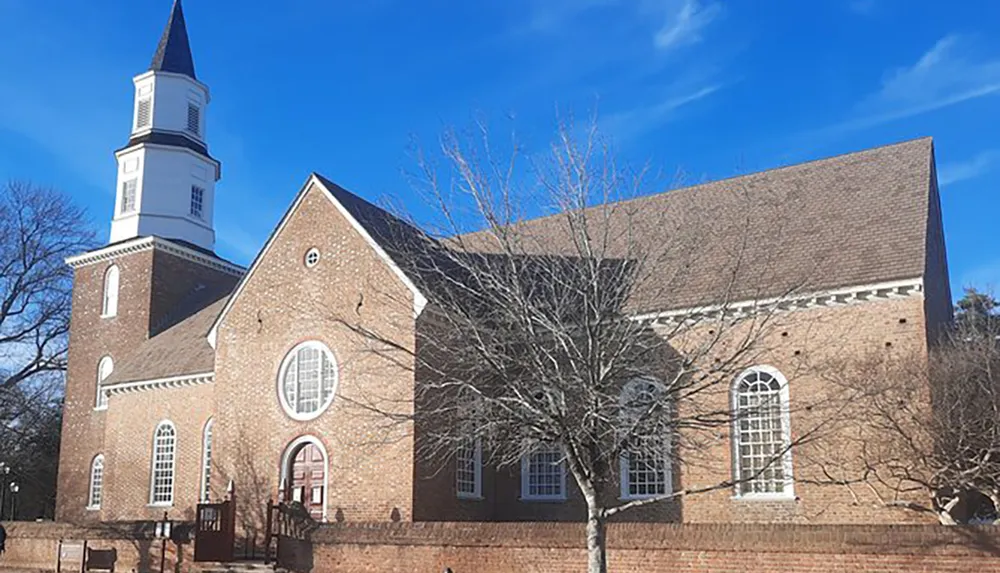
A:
(555, 547)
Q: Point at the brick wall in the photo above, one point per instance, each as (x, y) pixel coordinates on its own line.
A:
(92, 337)
(152, 285)
(809, 347)
(284, 303)
(34, 547)
(555, 548)
(131, 422)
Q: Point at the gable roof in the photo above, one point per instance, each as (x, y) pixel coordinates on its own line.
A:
(173, 53)
(368, 220)
(853, 219)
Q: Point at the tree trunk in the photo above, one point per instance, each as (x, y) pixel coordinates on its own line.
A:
(597, 551)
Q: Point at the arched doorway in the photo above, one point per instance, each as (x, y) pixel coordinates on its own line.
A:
(304, 475)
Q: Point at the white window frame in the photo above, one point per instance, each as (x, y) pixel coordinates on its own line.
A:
(105, 366)
(129, 207)
(788, 490)
(206, 461)
(109, 292)
(476, 448)
(291, 409)
(171, 469)
(311, 258)
(95, 493)
(197, 200)
(625, 461)
(526, 494)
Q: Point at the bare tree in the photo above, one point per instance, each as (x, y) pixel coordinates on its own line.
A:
(39, 228)
(933, 437)
(549, 334)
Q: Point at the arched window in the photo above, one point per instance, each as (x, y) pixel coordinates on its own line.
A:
(543, 474)
(761, 434)
(307, 381)
(109, 306)
(164, 453)
(104, 369)
(206, 461)
(644, 463)
(469, 470)
(96, 482)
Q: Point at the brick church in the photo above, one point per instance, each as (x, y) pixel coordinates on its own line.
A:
(188, 372)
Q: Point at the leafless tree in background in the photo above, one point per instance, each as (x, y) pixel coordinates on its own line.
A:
(935, 424)
(39, 228)
(547, 333)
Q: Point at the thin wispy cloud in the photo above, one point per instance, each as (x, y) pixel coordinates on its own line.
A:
(944, 76)
(631, 123)
(685, 23)
(979, 164)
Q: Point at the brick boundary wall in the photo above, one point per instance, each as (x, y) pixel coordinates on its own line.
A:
(553, 547)
(33, 546)
(558, 547)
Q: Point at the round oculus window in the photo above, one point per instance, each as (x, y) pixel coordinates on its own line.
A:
(307, 380)
(312, 257)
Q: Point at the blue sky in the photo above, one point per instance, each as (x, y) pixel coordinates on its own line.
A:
(708, 87)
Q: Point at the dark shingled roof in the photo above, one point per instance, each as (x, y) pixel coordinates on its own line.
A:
(173, 54)
(179, 350)
(171, 139)
(849, 220)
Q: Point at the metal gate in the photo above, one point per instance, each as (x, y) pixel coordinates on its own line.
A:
(215, 531)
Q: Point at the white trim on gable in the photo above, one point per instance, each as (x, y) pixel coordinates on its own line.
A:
(419, 300)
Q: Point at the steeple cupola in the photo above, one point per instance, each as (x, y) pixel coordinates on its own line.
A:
(166, 177)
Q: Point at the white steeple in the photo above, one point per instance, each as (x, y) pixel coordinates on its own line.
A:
(166, 178)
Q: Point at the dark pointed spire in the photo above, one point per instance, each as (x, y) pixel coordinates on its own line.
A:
(173, 54)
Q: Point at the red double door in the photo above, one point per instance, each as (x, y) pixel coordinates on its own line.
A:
(308, 479)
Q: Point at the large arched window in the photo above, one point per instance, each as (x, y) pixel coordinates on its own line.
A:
(109, 306)
(645, 464)
(96, 482)
(307, 381)
(104, 369)
(164, 455)
(761, 434)
(206, 462)
(469, 470)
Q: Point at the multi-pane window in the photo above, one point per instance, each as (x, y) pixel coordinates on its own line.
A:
(164, 453)
(143, 114)
(543, 473)
(197, 201)
(469, 469)
(645, 466)
(194, 119)
(96, 483)
(308, 380)
(762, 437)
(109, 301)
(206, 462)
(128, 196)
(104, 369)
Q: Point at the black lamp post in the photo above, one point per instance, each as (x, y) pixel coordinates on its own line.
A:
(14, 490)
(163, 531)
(4, 472)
